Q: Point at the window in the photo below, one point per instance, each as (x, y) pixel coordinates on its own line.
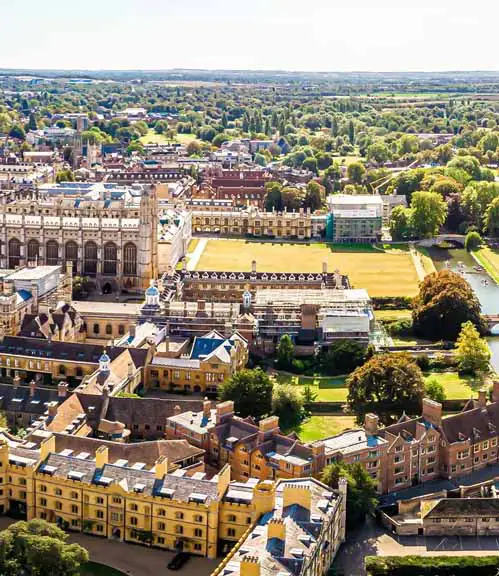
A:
(198, 518)
(74, 522)
(231, 532)
(100, 514)
(493, 442)
(179, 529)
(134, 507)
(74, 495)
(485, 519)
(58, 505)
(58, 492)
(179, 515)
(161, 512)
(99, 500)
(476, 448)
(197, 546)
(161, 526)
(109, 329)
(133, 521)
(485, 445)
(116, 500)
(43, 488)
(198, 533)
(121, 330)
(96, 329)
(161, 540)
(74, 509)
(43, 501)
(99, 528)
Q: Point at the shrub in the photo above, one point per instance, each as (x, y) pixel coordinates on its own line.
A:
(472, 241)
(423, 362)
(432, 565)
(400, 327)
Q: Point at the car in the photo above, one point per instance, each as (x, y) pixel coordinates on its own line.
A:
(178, 561)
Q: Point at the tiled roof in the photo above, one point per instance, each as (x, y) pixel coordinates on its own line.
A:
(463, 508)
(19, 399)
(477, 424)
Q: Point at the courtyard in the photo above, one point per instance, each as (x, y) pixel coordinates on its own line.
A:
(382, 272)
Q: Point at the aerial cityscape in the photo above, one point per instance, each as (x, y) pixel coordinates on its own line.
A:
(249, 315)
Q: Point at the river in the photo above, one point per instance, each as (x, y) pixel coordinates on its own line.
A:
(485, 288)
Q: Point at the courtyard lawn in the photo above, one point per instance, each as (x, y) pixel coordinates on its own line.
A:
(95, 569)
(489, 259)
(380, 272)
(457, 387)
(392, 315)
(317, 427)
(153, 138)
(328, 389)
(185, 138)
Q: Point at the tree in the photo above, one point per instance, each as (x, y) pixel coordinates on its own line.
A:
(435, 390)
(315, 196)
(273, 197)
(445, 301)
(309, 395)
(429, 211)
(161, 127)
(342, 357)
(37, 548)
(356, 172)
(472, 352)
(251, 392)
(476, 198)
(378, 152)
(32, 125)
(351, 132)
(17, 132)
(285, 352)
(472, 241)
(219, 139)
(193, 148)
(401, 223)
(388, 385)
(207, 133)
(469, 164)
(260, 160)
(492, 218)
(310, 163)
(64, 176)
(287, 403)
(361, 490)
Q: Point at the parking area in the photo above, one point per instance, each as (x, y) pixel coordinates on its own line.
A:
(373, 540)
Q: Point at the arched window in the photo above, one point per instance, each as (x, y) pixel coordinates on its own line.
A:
(52, 255)
(14, 253)
(90, 258)
(96, 329)
(121, 330)
(130, 259)
(109, 329)
(71, 254)
(110, 258)
(33, 250)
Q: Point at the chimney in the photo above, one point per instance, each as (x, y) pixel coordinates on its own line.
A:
(32, 388)
(34, 294)
(371, 424)
(267, 428)
(253, 266)
(132, 329)
(206, 408)
(276, 529)
(495, 391)
(225, 411)
(161, 467)
(62, 390)
(432, 411)
(52, 408)
(177, 410)
(101, 456)
(297, 494)
(324, 267)
(249, 566)
(482, 398)
(16, 381)
(8, 287)
(47, 447)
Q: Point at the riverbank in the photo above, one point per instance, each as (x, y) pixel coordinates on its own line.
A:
(489, 259)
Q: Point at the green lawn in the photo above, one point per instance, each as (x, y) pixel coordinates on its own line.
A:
(456, 387)
(317, 427)
(392, 315)
(152, 138)
(327, 389)
(380, 272)
(489, 259)
(95, 569)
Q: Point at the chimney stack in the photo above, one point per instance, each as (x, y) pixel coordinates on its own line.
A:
(206, 408)
(62, 390)
(32, 388)
(101, 456)
(432, 411)
(495, 391)
(371, 424)
(52, 408)
(161, 467)
(482, 398)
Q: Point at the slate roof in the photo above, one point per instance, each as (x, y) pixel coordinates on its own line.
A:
(463, 508)
(477, 424)
(19, 399)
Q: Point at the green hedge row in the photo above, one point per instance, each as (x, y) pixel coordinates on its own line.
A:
(432, 565)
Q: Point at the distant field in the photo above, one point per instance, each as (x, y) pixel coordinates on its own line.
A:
(381, 273)
(317, 427)
(392, 315)
(152, 138)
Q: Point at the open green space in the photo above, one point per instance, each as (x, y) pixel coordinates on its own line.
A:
(328, 389)
(317, 427)
(380, 272)
(95, 569)
(392, 315)
(489, 259)
(153, 138)
(457, 387)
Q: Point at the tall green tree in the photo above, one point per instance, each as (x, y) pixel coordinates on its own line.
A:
(38, 548)
(287, 403)
(388, 385)
(361, 490)
(285, 352)
(356, 172)
(445, 302)
(472, 351)
(429, 211)
(251, 392)
(315, 196)
(401, 223)
(492, 218)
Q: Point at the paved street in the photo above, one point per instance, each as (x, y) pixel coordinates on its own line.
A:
(372, 540)
(133, 559)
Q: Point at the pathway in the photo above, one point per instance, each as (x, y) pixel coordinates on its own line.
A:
(196, 255)
(133, 559)
(416, 260)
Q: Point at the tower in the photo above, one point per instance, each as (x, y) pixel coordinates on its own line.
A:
(148, 236)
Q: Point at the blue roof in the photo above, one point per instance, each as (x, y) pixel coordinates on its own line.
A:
(24, 295)
(152, 291)
(204, 346)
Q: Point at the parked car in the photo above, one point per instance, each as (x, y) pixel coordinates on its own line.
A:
(178, 561)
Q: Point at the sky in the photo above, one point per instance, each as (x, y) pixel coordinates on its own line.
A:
(308, 35)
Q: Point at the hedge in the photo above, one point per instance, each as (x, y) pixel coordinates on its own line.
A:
(432, 565)
(391, 302)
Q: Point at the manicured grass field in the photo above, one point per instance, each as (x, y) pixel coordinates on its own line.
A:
(392, 315)
(381, 273)
(95, 569)
(317, 427)
(152, 138)
(327, 389)
(489, 259)
(456, 387)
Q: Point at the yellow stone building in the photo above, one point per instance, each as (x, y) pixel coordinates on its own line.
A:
(144, 502)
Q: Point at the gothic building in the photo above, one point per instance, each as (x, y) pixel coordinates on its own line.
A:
(113, 243)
